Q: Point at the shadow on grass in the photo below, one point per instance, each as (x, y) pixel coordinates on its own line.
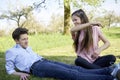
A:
(4, 76)
(64, 59)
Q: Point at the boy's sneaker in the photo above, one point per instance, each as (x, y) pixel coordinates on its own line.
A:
(116, 71)
(118, 74)
(115, 79)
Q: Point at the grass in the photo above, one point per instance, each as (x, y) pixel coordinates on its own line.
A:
(55, 47)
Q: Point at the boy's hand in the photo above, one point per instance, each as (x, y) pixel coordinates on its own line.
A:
(24, 76)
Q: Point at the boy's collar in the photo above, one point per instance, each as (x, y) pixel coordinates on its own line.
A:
(19, 46)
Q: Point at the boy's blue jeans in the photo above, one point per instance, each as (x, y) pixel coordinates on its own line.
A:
(51, 69)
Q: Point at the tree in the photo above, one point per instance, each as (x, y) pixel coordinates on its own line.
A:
(56, 23)
(18, 14)
(108, 19)
(111, 18)
(34, 26)
(66, 16)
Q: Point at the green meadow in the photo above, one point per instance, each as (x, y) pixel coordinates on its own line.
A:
(56, 47)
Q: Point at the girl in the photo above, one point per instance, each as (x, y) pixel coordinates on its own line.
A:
(86, 36)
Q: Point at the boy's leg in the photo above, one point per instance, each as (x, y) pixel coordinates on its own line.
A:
(56, 70)
(102, 71)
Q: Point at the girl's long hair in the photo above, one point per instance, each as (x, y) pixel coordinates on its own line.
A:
(87, 40)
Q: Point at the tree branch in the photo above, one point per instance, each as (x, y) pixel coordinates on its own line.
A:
(37, 5)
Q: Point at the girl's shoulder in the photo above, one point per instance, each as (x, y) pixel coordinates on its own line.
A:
(96, 28)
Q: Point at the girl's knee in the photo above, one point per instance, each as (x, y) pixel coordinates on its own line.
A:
(112, 57)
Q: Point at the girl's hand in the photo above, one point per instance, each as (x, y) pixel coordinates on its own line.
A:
(96, 24)
(96, 54)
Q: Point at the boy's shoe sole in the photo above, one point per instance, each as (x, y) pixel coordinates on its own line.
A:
(118, 74)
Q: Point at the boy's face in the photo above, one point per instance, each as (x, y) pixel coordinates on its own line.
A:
(23, 40)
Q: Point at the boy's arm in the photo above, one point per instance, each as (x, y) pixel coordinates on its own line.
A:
(10, 65)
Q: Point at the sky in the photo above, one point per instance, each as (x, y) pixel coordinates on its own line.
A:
(44, 15)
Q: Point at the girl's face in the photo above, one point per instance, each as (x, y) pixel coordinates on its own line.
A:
(76, 20)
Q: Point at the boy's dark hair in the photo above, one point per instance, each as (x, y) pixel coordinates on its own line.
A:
(18, 31)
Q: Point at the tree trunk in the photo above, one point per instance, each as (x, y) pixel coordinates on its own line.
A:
(66, 17)
(109, 22)
(18, 21)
